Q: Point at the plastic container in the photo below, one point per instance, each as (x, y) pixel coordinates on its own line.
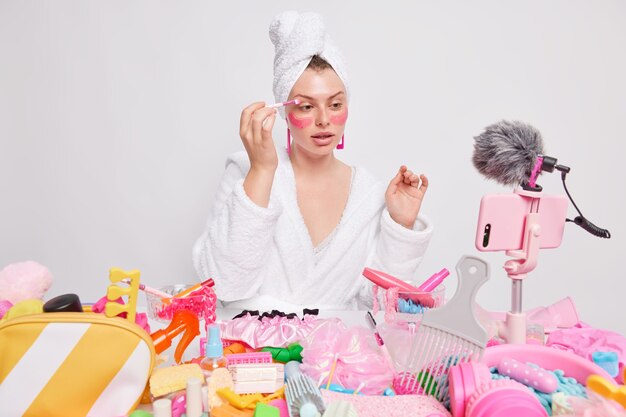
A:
(155, 303)
(202, 303)
(546, 357)
(535, 334)
(411, 305)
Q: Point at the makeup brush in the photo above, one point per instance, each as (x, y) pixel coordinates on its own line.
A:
(284, 103)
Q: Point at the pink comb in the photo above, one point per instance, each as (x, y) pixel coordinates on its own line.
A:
(252, 357)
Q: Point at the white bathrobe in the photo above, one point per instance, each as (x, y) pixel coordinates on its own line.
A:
(263, 258)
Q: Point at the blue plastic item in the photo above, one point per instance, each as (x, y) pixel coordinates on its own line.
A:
(609, 361)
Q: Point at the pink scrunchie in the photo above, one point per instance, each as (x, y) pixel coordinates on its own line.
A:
(275, 331)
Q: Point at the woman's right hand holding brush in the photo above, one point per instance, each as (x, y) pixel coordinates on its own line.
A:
(255, 130)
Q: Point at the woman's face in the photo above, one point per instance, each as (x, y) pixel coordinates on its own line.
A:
(317, 123)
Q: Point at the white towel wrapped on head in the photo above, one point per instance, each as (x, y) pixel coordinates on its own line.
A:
(297, 37)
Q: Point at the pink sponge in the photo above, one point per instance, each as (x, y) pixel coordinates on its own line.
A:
(24, 281)
(5, 305)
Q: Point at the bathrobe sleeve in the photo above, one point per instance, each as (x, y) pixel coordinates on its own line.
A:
(397, 251)
(234, 247)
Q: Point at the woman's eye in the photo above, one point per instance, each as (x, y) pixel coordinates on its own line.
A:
(306, 107)
(336, 105)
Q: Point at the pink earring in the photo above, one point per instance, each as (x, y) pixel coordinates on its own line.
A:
(288, 142)
(340, 144)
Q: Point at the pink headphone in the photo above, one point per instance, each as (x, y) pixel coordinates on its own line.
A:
(474, 394)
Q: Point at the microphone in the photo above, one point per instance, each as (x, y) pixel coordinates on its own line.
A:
(511, 153)
(507, 152)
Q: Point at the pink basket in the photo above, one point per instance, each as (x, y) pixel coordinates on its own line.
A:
(202, 302)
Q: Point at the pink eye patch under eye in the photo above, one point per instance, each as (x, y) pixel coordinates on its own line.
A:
(300, 123)
(339, 119)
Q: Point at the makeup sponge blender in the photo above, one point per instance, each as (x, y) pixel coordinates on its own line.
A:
(23, 281)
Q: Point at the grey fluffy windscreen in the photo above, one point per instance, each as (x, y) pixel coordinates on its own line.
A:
(507, 151)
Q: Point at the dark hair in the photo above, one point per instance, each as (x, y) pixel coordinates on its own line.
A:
(318, 63)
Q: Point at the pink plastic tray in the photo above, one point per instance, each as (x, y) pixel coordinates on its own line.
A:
(546, 357)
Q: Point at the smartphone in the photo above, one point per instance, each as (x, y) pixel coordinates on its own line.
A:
(502, 218)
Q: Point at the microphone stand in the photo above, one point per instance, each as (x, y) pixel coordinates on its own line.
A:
(513, 330)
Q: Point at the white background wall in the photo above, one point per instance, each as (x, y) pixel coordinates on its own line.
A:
(116, 118)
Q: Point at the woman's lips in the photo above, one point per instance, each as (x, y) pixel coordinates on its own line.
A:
(323, 138)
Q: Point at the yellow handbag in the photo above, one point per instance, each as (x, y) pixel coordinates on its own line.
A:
(72, 365)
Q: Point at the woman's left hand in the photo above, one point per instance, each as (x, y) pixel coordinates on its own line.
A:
(404, 196)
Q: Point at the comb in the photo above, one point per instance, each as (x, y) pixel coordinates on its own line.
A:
(303, 396)
(448, 335)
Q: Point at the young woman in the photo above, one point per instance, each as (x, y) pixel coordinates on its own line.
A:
(296, 226)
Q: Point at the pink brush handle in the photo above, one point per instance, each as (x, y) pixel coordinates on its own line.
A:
(154, 291)
(386, 281)
(537, 378)
(434, 281)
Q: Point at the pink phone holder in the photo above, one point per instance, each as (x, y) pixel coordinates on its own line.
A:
(541, 226)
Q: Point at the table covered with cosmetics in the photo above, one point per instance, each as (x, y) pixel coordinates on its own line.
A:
(418, 352)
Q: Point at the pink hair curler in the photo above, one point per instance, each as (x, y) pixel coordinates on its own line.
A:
(537, 378)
